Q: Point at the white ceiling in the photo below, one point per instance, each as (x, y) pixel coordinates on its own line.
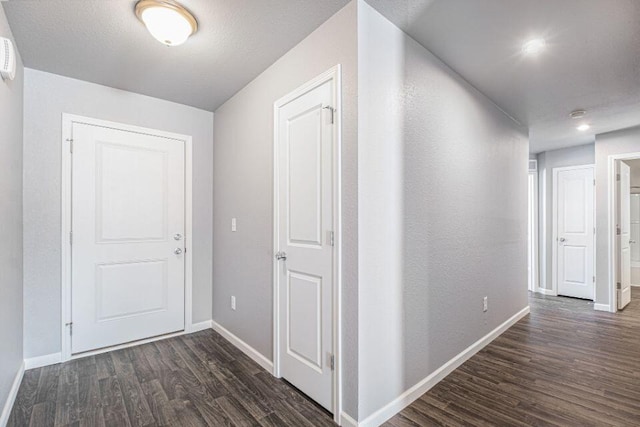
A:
(102, 41)
(592, 60)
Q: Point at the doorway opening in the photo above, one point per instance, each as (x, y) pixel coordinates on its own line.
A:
(532, 226)
(624, 222)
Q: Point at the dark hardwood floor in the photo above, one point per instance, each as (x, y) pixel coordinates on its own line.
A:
(193, 380)
(563, 365)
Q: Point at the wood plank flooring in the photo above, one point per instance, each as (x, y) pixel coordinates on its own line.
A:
(563, 365)
(192, 380)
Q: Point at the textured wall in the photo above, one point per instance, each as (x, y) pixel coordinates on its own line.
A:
(243, 188)
(619, 142)
(11, 97)
(47, 96)
(547, 161)
(442, 214)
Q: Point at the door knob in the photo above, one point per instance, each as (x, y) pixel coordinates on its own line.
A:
(562, 239)
(177, 236)
(178, 251)
(281, 256)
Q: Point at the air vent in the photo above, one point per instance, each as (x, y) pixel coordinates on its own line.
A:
(7, 59)
(533, 165)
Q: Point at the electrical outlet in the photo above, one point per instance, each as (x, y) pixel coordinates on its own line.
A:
(233, 302)
(233, 224)
(485, 304)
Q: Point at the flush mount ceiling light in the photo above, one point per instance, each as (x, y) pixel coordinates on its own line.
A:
(167, 21)
(583, 127)
(533, 47)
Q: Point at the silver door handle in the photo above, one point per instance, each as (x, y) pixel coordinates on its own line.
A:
(281, 256)
(177, 236)
(562, 239)
(178, 251)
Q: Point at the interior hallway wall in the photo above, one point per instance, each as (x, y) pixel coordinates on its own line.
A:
(547, 161)
(243, 189)
(47, 96)
(442, 214)
(11, 104)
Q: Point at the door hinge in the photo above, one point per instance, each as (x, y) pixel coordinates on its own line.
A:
(71, 237)
(594, 279)
(619, 285)
(70, 325)
(594, 182)
(332, 362)
(331, 110)
(617, 177)
(618, 229)
(330, 238)
(70, 141)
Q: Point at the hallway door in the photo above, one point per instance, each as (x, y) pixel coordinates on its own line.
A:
(624, 235)
(574, 231)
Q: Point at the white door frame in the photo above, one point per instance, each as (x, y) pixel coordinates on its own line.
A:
(332, 74)
(67, 124)
(554, 237)
(536, 255)
(612, 208)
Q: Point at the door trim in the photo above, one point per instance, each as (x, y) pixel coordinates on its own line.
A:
(334, 75)
(554, 236)
(612, 210)
(536, 255)
(66, 199)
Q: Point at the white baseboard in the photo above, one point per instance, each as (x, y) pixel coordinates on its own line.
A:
(201, 326)
(544, 291)
(244, 347)
(11, 398)
(601, 307)
(405, 399)
(347, 421)
(40, 361)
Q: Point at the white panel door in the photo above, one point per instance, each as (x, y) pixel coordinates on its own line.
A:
(575, 232)
(128, 222)
(624, 238)
(305, 218)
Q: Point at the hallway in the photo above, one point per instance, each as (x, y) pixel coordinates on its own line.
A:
(564, 364)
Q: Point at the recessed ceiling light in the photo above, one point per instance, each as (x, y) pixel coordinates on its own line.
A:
(583, 127)
(167, 21)
(577, 114)
(533, 46)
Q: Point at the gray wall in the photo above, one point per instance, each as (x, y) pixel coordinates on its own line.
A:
(572, 156)
(243, 188)
(619, 142)
(47, 96)
(11, 97)
(442, 189)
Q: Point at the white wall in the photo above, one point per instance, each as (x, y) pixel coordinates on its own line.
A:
(442, 214)
(618, 142)
(547, 161)
(243, 188)
(11, 101)
(47, 96)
